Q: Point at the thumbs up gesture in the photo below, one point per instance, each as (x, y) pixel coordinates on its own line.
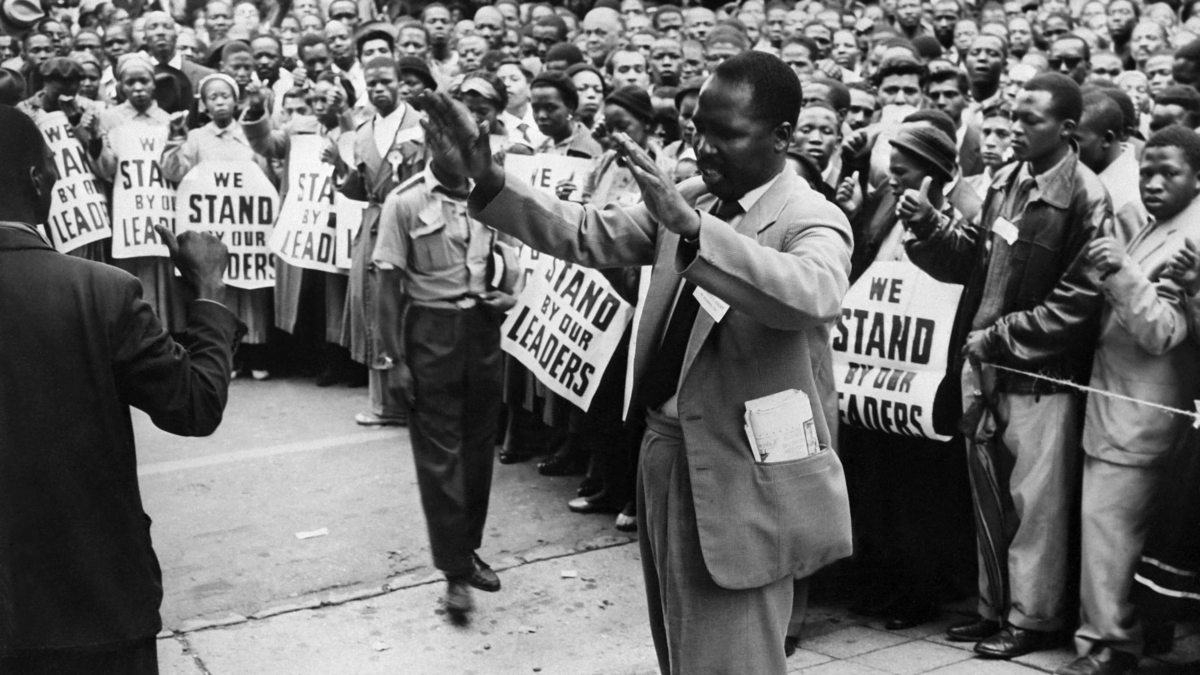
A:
(849, 195)
(915, 209)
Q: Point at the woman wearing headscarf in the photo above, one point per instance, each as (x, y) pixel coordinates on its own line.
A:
(222, 140)
(135, 78)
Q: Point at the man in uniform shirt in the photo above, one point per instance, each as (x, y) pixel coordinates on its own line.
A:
(440, 327)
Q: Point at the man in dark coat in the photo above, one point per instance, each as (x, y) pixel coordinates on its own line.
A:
(80, 586)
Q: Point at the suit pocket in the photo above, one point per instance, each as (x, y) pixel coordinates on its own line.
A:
(813, 512)
(794, 469)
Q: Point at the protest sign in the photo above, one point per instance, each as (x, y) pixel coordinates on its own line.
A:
(565, 327)
(890, 348)
(235, 202)
(78, 208)
(349, 216)
(544, 172)
(304, 235)
(142, 197)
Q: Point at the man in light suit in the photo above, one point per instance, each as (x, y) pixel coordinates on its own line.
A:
(722, 535)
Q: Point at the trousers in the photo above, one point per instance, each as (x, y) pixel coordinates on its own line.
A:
(1041, 434)
(456, 362)
(136, 658)
(698, 627)
(1117, 507)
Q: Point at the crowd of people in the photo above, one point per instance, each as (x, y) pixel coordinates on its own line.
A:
(1042, 155)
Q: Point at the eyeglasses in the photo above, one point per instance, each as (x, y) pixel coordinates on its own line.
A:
(344, 16)
(1112, 73)
(1071, 62)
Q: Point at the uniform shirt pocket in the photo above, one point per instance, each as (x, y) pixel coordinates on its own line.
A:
(430, 241)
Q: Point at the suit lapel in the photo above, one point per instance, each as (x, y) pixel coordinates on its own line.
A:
(762, 215)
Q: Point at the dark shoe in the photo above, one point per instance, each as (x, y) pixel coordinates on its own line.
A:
(974, 631)
(589, 486)
(1105, 661)
(790, 644)
(330, 376)
(482, 577)
(1013, 642)
(458, 598)
(560, 465)
(586, 505)
(913, 616)
(508, 456)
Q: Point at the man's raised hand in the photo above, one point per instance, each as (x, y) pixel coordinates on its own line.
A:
(201, 259)
(459, 145)
(662, 199)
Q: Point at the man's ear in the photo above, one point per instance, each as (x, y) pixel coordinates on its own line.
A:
(783, 136)
(1068, 128)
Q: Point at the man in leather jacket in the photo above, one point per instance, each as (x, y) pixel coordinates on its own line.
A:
(1029, 304)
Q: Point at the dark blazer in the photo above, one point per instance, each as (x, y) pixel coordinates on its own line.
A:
(78, 347)
(195, 72)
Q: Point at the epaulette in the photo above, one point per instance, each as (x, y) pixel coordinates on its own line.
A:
(413, 181)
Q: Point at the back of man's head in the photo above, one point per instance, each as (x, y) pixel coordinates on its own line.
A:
(1066, 98)
(23, 150)
(1102, 115)
(775, 91)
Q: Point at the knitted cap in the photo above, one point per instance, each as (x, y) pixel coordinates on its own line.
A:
(931, 144)
(634, 99)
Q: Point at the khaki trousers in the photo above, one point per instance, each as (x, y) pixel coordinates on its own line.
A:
(1117, 507)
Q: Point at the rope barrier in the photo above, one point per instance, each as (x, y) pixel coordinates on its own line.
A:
(1195, 416)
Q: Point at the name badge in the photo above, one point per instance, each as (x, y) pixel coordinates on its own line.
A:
(715, 306)
(1007, 231)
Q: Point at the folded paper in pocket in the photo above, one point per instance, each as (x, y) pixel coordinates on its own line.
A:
(780, 427)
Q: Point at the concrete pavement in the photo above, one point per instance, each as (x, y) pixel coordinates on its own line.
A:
(245, 596)
(572, 613)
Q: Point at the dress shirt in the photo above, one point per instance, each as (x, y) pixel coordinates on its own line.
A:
(747, 202)
(386, 128)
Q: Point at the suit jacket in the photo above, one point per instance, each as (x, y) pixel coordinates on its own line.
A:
(783, 271)
(195, 72)
(970, 157)
(1144, 352)
(370, 179)
(78, 347)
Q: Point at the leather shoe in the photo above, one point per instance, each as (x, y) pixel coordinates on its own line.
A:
(1013, 642)
(513, 456)
(1105, 661)
(586, 505)
(974, 631)
(458, 598)
(912, 617)
(482, 577)
(562, 465)
(790, 643)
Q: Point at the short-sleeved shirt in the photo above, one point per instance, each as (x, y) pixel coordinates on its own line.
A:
(426, 230)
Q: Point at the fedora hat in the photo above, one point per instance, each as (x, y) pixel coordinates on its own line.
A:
(18, 16)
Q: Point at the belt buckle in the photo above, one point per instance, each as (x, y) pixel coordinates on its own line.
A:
(466, 303)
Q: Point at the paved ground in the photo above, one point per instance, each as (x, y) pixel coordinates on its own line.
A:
(245, 595)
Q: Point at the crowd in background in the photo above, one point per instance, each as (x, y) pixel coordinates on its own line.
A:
(911, 110)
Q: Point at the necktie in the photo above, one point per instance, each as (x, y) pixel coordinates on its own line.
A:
(662, 379)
